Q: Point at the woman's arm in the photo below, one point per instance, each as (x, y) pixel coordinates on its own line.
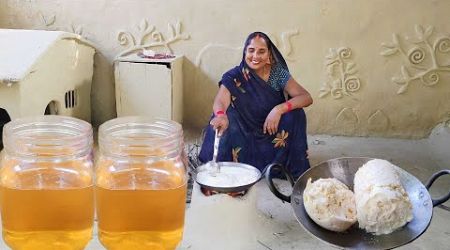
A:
(300, 99)
(220, 106)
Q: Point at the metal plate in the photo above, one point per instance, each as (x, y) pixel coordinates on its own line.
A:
(344, 170)
(229, 165)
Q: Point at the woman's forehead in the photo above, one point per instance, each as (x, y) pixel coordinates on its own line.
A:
(257, 42)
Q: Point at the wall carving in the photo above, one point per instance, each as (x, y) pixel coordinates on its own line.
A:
(347, 120)
(147, 36)
(209, 52)
(285, 46)
(422, 55)
(341, 74)
(348, 116)
(48, 22)
(378, 122)
(200, 55)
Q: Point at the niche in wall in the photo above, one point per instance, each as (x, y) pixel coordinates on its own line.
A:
(4, 118)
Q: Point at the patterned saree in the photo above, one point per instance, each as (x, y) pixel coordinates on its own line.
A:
(244, 141)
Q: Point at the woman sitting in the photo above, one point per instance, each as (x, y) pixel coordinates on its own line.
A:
(258, 112)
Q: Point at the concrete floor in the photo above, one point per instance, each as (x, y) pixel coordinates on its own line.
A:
(276, 227)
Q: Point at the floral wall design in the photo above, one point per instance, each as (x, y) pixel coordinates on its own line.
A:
(341, 74)
(421, 54)
(147, 36)
(48, 22)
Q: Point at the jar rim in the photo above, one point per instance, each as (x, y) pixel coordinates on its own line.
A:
(121, 135)
(27, 135)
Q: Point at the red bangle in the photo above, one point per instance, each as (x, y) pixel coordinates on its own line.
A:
(289, 106)
(219, 113)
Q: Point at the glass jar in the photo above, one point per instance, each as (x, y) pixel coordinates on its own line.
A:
(140, 184)
(46, 179)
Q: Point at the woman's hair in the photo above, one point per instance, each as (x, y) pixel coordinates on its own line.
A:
(258, 34)
(265, 38)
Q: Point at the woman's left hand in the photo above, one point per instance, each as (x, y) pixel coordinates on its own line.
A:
(272, 121)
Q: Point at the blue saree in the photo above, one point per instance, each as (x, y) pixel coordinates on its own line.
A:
(252, 99)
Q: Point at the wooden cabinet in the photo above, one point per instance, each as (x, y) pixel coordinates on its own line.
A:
(149, 87)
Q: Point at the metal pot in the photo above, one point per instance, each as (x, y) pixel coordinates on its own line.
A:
(229, 189)
(344, 170)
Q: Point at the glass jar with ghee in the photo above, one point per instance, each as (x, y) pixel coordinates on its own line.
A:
(46, 181)
(140, 184)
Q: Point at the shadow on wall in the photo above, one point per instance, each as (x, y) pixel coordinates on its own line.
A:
(102, 90)
(199, 91)
(202, 85)
(4, 118)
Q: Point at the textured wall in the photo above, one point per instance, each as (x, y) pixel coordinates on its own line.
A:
(374, 68)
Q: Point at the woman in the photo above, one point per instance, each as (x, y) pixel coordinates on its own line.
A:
(258, 125)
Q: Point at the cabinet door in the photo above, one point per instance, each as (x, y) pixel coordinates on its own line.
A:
(143, 89)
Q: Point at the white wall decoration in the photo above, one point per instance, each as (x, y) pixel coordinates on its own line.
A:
(148, 36)
(341, 74)
(421, 55)
(48, 22)
(285, 46)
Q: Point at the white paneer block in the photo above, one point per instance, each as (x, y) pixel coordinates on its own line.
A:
(382, 204)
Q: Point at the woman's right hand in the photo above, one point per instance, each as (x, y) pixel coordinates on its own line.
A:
(220, 123)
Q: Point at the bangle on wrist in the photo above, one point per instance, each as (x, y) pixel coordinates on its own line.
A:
(219, 113)
(288, 106)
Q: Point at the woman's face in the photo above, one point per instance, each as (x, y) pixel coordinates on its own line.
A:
(257, 54)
